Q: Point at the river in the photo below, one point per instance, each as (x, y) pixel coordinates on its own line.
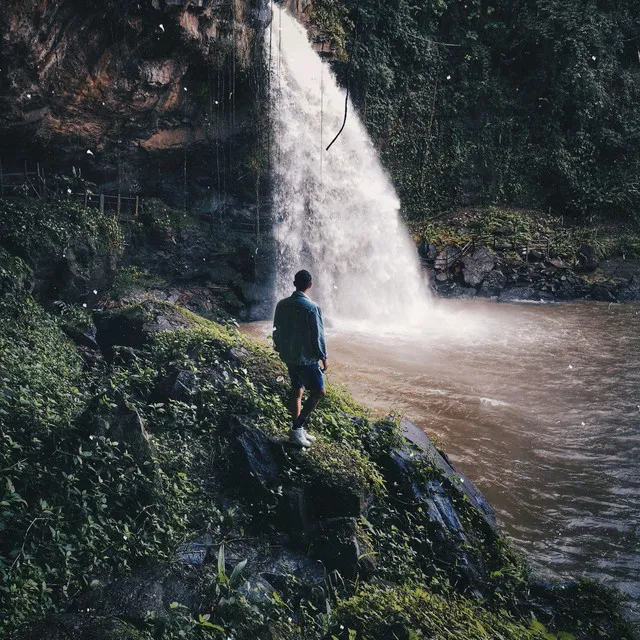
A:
(538, 404)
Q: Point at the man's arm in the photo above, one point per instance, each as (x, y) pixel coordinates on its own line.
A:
(277, 323)
(317, 336)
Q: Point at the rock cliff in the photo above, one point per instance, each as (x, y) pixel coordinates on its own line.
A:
(157, 97)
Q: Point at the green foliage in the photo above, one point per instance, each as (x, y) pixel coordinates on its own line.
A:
(161, 217)
(130, 279)
(489, 102)
(14, 273)
(410, 611)
(81, 499)
(32, 228)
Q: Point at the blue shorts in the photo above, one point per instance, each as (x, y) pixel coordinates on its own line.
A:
(306, 376)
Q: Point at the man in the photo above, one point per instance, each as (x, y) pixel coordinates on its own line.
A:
(298, 336)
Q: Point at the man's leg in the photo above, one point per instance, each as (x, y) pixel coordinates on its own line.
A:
(310, 404)
(296, 402)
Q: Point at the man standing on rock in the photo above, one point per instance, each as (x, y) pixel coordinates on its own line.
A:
(298, 336)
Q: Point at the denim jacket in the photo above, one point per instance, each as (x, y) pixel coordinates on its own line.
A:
(298, 331)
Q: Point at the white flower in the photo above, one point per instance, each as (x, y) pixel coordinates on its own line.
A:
(95, 292)
(593, 58)
(84, 304)
(448, 77)
(162, 27)
(89, 152)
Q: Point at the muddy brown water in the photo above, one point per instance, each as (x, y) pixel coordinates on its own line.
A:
(538, 404)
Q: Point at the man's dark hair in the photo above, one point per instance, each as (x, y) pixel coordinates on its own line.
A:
(302, 280)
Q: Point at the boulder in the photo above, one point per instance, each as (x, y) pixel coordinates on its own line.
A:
(135, 597)
(630, 291)
(178, 385)
(618, 269)
(535, 256)
(122, 424)
(256, 461)
(82, 336)
(602, 293)
(447, 258)
(518, 294)
(428, 252)
(477, 266)
(195, 553)
(493, 284)
(587, 258)
(457, 479)
(133, 326)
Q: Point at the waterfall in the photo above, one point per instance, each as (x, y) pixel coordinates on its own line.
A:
(335, 212)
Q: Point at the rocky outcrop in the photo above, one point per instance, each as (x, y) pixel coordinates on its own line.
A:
(133, 326)
(149, 97)
(538, 279)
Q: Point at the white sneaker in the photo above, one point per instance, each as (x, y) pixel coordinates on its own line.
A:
(299, 437)
(310, 437)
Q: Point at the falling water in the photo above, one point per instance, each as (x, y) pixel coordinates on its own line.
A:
(336, 211)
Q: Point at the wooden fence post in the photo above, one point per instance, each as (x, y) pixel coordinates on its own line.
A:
(137, 205)
(102, 203)
(118, 207)
(86, 198)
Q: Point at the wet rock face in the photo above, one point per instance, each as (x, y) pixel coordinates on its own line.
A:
(143, 86)
(477, 266)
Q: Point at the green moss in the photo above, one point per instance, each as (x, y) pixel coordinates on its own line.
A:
(40, 370)
(35, 228)
(14, 273)
(440, 235)
(411, 612)
(76, 503)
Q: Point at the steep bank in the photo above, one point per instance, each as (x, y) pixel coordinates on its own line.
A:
(148, 492)
(517, 254)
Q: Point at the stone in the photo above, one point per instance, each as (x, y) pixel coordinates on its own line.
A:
(477, 266)
(618, 269)
(134, 597)
(255, 455)
(195, 553)
(179, 385)
(602, 293)
(587, 258)
(630, 291)
(492, 284)
(518, 294)
(457, 479)
(428, 252)
(447, 258)
(134, 326)
(535, 256)
(82, 336)
(122, 424)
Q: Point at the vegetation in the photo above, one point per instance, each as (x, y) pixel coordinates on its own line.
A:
(33, 228)
(528, 103)
(82, 499)
(495, 226)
